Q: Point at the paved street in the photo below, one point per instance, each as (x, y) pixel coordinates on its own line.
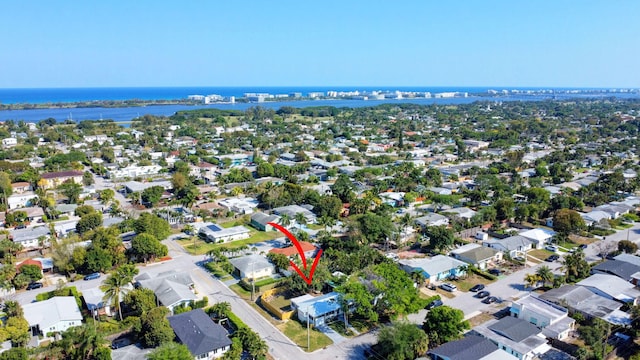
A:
(507, 288)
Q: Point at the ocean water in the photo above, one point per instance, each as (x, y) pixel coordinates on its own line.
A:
(62, 95)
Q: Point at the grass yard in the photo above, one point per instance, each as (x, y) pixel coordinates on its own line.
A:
(298, 334)
(315, 226)
(480, 319)
(466, 283)
(201, 247)
(280, 302)
(538, 254)
(246, 295)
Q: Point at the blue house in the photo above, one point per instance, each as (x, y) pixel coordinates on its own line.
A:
(437, 268)
(318, 310)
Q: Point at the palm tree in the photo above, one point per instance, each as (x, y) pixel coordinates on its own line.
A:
(418, 277)
(531, 280)
(115, 287)
(545, 274)
(464, 269)
(285, 220)
(128, 271)
(300, 220)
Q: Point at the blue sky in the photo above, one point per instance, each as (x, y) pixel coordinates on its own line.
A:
(552, 43)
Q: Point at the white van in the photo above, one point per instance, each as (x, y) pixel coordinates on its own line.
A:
(448, 287)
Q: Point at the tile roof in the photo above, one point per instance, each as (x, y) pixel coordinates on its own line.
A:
(291, 250)
(61, 174)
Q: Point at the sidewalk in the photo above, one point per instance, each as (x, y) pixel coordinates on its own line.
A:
(334, 336)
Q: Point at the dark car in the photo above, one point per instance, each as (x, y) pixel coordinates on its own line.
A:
(34, 285)
(552, 258)
(92, 276)
(490, 300)
(477, 288)
(482, 294)
(495, 272)
(122, 342)
(434, 304)
(583, 246)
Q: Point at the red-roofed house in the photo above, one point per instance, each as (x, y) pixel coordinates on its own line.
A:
(308, 248)
(29, 262)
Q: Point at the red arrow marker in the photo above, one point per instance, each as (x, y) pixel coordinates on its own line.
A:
(296, 243)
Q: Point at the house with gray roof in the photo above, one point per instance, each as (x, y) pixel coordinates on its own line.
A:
(628, 258)
(260, 220)
(437, 268)
(621, 269)
(432, 219)
(470, 347)
(594, 217)
(612, 287)
(462, 213)
(56, 314)
(590, 305)
(204, 338)
(517, 337)
(28, 237)
(292, 210)
(513, 245)
(482, 257)
(172, 288)
(253, 266)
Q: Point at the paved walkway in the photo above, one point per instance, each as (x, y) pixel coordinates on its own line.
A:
(332, 334)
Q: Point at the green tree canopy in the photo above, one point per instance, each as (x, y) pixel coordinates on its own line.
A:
(443, 324)
(140, 300)
(152, 195)
(89, 222)
(146, 246)
(402, 341)
(152, 225)
(171, 351)
(154, 328)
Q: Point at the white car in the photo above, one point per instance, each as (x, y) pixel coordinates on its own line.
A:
(551, 248)
(448, 287)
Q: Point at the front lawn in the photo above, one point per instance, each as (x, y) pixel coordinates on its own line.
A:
(297, 332)
(200, 247)
(467, 282)
(538, 254)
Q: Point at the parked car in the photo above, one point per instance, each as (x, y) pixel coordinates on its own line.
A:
(34, 285)
(448, 287)
(434, 304)
(583, 246)
(551, 248)
(490, 300)
(552, 258)
(477, 288)
(92, 276)
(482, 294)
(495, 272)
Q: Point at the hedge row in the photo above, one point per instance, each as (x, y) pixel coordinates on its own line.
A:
(484, 274)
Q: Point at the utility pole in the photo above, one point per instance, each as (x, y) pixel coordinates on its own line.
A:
(253, 280)
(308, 331)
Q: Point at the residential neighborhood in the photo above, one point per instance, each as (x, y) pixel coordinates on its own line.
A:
(476, 231)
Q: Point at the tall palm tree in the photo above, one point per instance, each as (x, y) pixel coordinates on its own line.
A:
(115, 287)
(545, 274)
(531, 280)
(285, 220)
(300, 220)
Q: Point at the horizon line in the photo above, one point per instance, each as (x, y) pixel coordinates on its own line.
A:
(323, 86)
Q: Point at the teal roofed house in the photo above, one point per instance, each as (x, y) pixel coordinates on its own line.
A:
(318, 310)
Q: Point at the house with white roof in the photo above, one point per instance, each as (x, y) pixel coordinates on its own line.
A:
(539, 236)
(517, 337)
(513, 245)
(594, 217)
(53, 315)
(612, 287)
(253, 266)
(217, 234)
(590, 305)
(318, 310)
(437, 268)
(554, 320)
(30, 237)
(172, 288)
(432, 219)
(238, 205)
